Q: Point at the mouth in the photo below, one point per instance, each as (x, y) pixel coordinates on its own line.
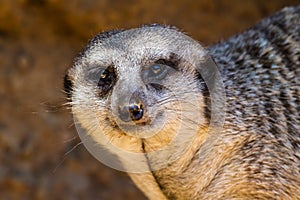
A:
(144, 128)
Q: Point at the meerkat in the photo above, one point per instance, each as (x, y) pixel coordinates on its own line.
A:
(194, 122)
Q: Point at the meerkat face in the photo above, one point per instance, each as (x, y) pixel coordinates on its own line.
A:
(138, 89)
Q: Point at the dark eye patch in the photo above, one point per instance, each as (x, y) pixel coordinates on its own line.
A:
(159, 69)
(169, 62)
(173, 60)
(156, 71)
(103, 78)
(107, 79)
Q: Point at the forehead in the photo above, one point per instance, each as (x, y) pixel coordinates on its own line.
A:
(150, 37)
(134, 46)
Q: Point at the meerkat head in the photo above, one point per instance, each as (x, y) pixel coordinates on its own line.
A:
(139, 90)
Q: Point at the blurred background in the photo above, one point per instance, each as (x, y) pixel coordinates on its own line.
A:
(40, 153)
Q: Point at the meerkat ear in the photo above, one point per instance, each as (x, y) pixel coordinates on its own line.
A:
(209, 76)
(68, 86)
(209, 69)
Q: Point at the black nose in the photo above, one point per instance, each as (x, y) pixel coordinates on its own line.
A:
(132, 112)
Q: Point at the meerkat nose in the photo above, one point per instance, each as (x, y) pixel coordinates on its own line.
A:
(136, 111)
(133, 112)
(132, 109)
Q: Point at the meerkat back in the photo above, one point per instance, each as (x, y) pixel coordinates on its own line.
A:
(188, 122)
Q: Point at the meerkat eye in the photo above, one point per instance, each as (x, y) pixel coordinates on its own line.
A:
(156, 71)
(106, 79)
(104, 74)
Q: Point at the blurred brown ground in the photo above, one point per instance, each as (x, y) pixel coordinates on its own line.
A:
(38, 40)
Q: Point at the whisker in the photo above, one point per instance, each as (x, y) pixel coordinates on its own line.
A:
(65, 157)
(71, 139)
(73, 148)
